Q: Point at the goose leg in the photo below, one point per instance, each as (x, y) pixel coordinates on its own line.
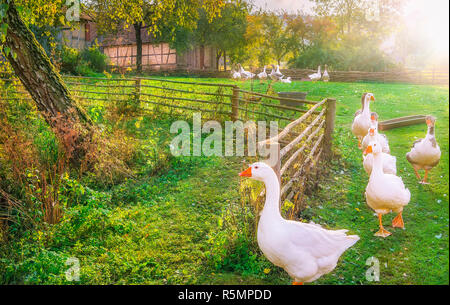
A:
(424, 181)
(397, 222)
(382, 232)
(297, 283)
(359, 143)
(417, 174)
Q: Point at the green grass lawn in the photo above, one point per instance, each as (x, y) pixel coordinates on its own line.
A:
(162, 229)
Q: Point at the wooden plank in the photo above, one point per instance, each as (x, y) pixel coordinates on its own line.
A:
(401, 122)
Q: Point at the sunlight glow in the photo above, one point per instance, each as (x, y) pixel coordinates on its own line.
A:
(430, 20)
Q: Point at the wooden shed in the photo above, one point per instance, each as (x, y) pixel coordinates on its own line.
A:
(121, 50)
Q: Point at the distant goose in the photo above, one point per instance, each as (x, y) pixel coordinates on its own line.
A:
(275, 74)
(286, 80)
(235, 74)
(245, 74)
(315, 76)
(325, 76)
(263, 74)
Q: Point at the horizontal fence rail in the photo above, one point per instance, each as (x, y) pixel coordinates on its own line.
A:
(426, 77)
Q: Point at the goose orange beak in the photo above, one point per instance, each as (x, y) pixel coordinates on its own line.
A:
(371, 131)
(368, 150)
(428, 122)
(372, 98)
(246, 173)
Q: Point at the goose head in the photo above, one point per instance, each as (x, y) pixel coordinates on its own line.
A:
(373, 148)
(374, 117)
(258, 171)
(374, 120)
(430, 120)
(370, 97)
(366, 98)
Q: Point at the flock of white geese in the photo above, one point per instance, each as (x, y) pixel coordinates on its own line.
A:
(385, 191)
(275, 74)
(306, 251)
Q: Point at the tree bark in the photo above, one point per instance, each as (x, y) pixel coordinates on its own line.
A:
(137, 30)
(37, 74)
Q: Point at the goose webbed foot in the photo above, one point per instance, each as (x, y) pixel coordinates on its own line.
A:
(382, 232)
(397, 222)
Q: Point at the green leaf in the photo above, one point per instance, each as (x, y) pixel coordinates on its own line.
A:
(6, 50)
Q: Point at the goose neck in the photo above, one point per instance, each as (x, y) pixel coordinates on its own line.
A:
(366, 109)
(272, 204)
(430, 132)
(377, 168)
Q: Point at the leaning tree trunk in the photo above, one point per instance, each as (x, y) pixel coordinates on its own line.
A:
(37, 74)
(137, 29)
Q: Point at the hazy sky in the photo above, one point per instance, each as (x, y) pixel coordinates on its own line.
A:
(287, 5)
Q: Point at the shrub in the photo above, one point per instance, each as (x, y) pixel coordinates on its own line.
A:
(95, 59)
(70, 60)
(344, 59)
(86, 63)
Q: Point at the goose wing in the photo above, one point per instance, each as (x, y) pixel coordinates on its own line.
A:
(318, 241)
(415, 142)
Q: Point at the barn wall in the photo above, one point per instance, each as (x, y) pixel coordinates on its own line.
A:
(154, 56)
(191, 59)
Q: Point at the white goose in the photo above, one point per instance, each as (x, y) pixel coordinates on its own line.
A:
(374, 135)
(275, 74)
(245, 74)
(361, 121)
(235, 74)
(425, 153)
(389, 162)
(385, 192)
(306, 251)
(315, 76)
(325, 75)
(286, 80)
(263, 74)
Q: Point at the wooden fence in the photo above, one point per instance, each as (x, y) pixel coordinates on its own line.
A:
(426, 77)
(305, 130)
(301, 144)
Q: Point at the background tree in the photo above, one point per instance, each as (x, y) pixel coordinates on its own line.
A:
(112, 16)
(226, 32)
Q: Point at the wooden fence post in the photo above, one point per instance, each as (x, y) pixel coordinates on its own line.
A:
(137, 91)
(235, 104)
(329, 127)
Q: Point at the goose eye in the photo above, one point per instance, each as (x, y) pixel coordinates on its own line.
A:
(256, 167)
